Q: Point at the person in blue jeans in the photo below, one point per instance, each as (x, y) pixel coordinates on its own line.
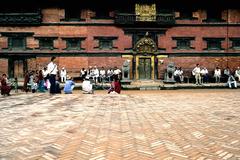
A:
(69, 85)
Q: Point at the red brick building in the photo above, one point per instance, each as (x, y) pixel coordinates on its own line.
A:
(149, 34)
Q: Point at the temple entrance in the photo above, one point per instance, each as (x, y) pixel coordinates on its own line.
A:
(144, 68)
(144, 56)
(17, 67)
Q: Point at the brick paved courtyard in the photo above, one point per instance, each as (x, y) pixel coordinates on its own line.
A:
(184, 124)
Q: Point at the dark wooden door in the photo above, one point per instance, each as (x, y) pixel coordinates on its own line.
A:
(144, 68)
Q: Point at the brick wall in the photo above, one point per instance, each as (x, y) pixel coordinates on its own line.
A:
(123, 42)
(165, 41)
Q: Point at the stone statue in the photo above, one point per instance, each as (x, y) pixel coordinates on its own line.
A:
(169, 77)
(126, 70)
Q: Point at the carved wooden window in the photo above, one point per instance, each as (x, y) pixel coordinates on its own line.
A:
(74, 43)
(102, 14)
(186, 14)
(183, 42)
(235, 43)
(46, 43)
(72, 14)
(214, 15)
(16, 42)
(15, 15)
(214, 43)
(105, 42)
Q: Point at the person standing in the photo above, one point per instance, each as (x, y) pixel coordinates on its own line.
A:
(26, 81)
(96, 74)
(63, 75)
(52, 71)
(217, 74)
(41, 87)
(197, 73)
(102, 74)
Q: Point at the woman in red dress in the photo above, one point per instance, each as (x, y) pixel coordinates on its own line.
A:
(5, 89)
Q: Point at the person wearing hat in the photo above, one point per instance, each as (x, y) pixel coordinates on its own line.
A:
(69, 85)
(87, 86)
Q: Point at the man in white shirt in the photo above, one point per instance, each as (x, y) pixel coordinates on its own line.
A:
(96, 74)
(197, 73)
(217, 75)
(102, 74)
(87, 87)
(180, 72)
(237, 73)
(176, 75)
(63, 75)
(52, 71)
(204, 74)
(117, 72)
(45, 72)
(110, 74)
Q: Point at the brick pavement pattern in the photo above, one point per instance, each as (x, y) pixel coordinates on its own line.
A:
(162, 125)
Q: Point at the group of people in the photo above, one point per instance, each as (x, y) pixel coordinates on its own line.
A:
(201, 75)
(178, 74)
(49, 79)
(88, 85)
(101, 74)
(43, 80)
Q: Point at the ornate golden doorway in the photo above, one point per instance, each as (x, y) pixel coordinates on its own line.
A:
(145, 53)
